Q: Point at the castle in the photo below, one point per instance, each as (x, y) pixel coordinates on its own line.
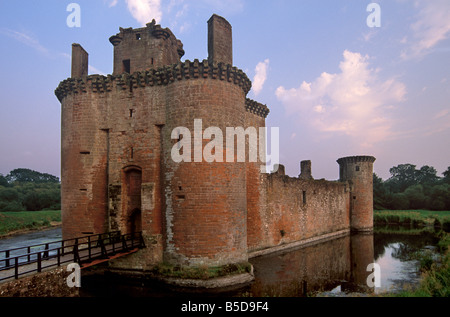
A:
(118, 174)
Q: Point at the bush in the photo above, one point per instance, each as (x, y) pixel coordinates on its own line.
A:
(14, 206)
(400, 202)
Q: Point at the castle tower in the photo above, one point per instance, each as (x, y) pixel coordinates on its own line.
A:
(206, 219)
(358, 172)
(118, 173)
(145, 48)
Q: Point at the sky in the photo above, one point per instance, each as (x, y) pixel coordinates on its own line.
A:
(341, 77)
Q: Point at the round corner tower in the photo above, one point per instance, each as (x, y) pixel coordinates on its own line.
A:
(118, 173)
(358, 172)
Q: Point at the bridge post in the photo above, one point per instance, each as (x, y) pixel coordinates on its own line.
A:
(46, 251)
(16, 268)
(39, 263)
(76, 256)
(7, 258)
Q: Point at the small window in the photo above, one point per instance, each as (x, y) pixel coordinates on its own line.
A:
(152, 61)
(357, 168)
(138, 36)
(85, 153)
(131, 153)
(126, 66)
(131, 113)
(304, 197)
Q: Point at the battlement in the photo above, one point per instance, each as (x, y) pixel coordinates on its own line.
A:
(356, 159)
(160, 77)
(256, 108)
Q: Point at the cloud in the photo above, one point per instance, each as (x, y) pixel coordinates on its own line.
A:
(442, 114)
(144, 11)
(178, 12)
(112, 3)
(354, 102)
(431, 27)
(260, 76)
(25, 39)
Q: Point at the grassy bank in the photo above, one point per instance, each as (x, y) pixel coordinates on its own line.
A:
(167, 270)
(11, 222)
(415, 218)
(435, 270)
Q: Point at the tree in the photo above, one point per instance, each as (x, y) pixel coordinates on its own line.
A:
(3, 181)
(403, 176)
(379, 193)
(23, 175)
(30, 190)
(427, 175)
(416, 196)
(400, 202)
(446, 174)
(10, 199)
(8, 194)
(437, 197)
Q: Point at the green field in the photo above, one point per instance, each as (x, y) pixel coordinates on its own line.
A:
(22, 220)
(414, 217)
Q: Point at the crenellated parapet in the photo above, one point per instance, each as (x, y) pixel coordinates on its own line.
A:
(256, 108)
(160, 77)
(356, 159)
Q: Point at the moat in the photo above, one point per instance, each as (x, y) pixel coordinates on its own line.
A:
(332, 268)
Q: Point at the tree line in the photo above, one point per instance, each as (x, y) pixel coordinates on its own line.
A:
(410, 188)
(24, 189)
(407, 188)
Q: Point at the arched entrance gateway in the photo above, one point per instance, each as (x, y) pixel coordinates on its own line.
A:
(132, 211)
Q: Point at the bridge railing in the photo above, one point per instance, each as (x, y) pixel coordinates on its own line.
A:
(77, 250)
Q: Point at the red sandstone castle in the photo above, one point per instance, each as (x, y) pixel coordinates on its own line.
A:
(117, 171)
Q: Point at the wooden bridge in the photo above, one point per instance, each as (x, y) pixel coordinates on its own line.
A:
(86, 251)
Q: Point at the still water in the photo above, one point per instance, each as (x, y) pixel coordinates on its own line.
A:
(333, 268)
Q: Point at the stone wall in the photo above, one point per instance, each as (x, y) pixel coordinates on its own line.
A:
(297, 209)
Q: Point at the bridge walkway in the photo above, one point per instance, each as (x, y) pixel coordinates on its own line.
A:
(86, 251)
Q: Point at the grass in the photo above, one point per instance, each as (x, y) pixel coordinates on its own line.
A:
(415, 218)
(201, 272)
(435, 272)
(25, 220)
(435, 269)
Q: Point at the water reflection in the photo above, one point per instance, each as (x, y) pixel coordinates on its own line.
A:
(339, 267)
(332, 268)
(337, 263)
